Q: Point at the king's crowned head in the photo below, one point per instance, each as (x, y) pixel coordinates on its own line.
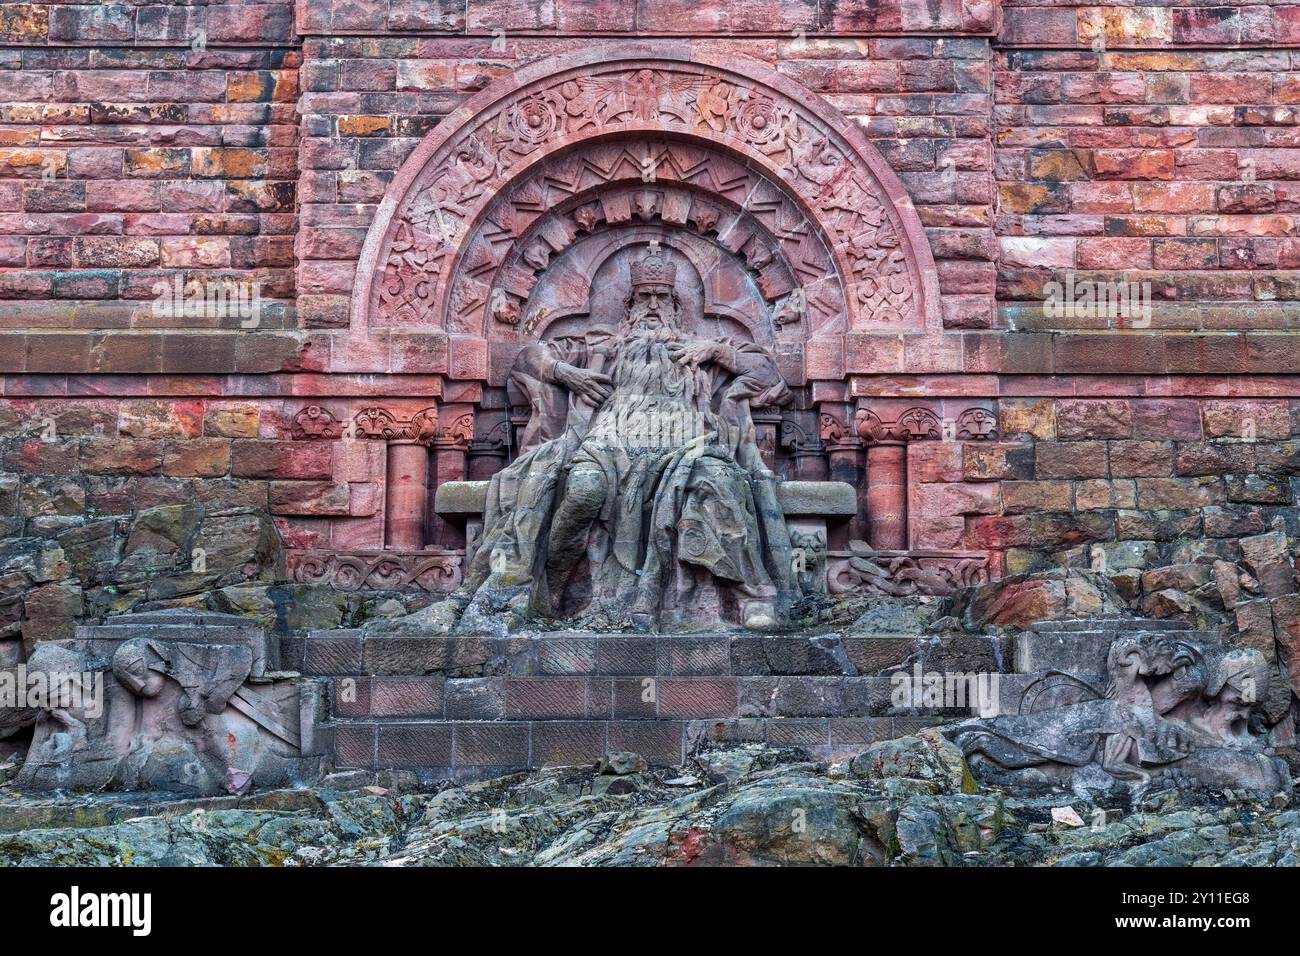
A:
(654, 268)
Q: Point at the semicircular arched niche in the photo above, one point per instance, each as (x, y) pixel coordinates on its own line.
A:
(726, 162)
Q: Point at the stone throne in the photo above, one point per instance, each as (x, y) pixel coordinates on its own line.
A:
(800, 236)
(661, 458)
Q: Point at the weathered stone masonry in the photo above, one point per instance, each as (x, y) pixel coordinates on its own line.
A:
(1013, 145)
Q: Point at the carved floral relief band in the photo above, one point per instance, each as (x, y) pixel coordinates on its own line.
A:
(901, 573)
(436, 572)
(919, 423)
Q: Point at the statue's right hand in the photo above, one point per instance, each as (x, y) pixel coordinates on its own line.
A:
(593, 386)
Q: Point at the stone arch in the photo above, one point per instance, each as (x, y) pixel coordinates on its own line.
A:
(603, 185)
(830, 220)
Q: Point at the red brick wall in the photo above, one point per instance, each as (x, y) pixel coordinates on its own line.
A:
(1157, 141)
(1152, 480)
(259, 150)
(139, 144)
(1157, 145)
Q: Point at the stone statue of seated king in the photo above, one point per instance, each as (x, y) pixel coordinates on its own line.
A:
(639, 498)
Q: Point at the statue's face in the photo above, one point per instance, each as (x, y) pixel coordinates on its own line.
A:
(653, 308)
(1246, 688)
(131, 668)
(136, 676)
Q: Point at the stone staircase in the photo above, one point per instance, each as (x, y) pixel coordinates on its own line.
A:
(465, 707)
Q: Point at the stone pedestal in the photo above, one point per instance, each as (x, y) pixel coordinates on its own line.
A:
(465, 707)
(182, 700)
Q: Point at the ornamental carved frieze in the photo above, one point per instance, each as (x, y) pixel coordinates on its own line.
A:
(316, 422)
(866, 572)
(798, 440)
(571, 146)
(435, 572)
(494, 438)
(920, 423)
(835, 430)
(374, 422)
(744, 216)
(457, 432)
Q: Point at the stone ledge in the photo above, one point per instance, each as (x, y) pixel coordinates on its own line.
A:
(1080, 646)
(443, 749)
(561, 654)
(836, 498)
(186, 625)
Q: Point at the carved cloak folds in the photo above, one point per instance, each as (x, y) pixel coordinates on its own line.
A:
(701, 500)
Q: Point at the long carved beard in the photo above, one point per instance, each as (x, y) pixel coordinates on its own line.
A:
(658, 403)
(669, 331)
(656, 400)
(644, 366)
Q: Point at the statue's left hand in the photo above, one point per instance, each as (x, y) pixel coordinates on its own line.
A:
(693, 353)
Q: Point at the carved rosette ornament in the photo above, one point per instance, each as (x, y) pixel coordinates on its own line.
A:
(726, 148)
(375, 422)
(919, 423)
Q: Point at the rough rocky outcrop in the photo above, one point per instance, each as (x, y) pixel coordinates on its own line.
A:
(907, 803)
(1021, 600)
(178, 555)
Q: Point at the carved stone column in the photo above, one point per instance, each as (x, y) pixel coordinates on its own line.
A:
(450, 463)
(887, 496)
(490, 450)
(803, 444)
(844, 463)
(888, 430)
(407, 500)
(767, 424)
(406, 492)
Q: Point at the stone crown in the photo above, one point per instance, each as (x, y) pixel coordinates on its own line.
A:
(654, 269)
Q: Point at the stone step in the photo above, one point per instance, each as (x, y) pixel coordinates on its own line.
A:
(457, 707)
(443, 749)
(1083, 652)
(621, 698)
(580, 653)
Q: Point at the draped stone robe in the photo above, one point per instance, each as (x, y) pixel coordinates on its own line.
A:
(687, 490)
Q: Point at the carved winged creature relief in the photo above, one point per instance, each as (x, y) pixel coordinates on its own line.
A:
(1173, 713)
